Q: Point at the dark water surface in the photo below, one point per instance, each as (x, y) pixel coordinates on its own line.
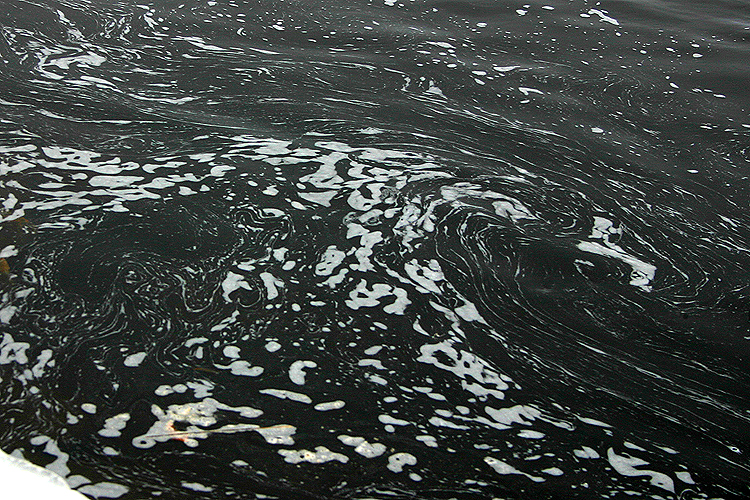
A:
(377, 249)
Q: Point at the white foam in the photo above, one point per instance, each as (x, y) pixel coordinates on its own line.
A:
(427, 276)
(89, 408)
(505, 468)
(242, 368)
(134, 360)
(196, 486)
(113, 425)
(512, 209)
(278, 434)
(387, 419)
(11, 351)
(272, 346)
(469, 312)
(529, 434)
(685, 477)
(362, 296)
(233, 282)
(231, 351)
(398, 461)
(375, 363)
(528, 90)
(320, 197)
(593, 421)
(518, 414)
(272, 284)
(476, 375)
(8, 251)
(199, 415)
(284, 394)
(297, 370)
(319, 456)
(604, 17)
(104, 490)
(362, 447)
(114, 181)
(553, 471)
(441, 422)
(330, 405)
(372, 351)
(427, 440)
(627, 467)
(586, 452)
(643, 273)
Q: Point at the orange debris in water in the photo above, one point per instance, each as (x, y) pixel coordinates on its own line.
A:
(4, 267)
(171, 429)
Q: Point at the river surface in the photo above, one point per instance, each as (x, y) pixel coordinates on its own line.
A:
(384, 249)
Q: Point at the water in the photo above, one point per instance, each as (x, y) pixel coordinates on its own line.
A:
(384, 249)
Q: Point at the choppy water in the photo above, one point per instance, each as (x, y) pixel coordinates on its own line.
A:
(377, 249)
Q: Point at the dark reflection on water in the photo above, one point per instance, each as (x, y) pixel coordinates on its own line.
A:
(398, 249)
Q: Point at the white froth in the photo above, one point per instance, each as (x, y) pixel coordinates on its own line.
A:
(297, 370)
(476, 375)
(319, 456)
(166, 390)
(375, 363)
(518, 414)
(114, 425)
(372, 351)
(8, 251)
(278, 434)
(586, 452)
(273, 346)
(593, 421)
(441, 422)
(196, 486)
(685, 477)
(603, 16)
(11, 351)
(529, 434)
(427, 440)
(320, 197)
(272, 284)
(362, 447)
(362, 296)
(469, 312)
(242, 368)
(387, 419)
(330, 405)
(89, 408)
(233, 282)
(553, 471)
(426, 276)
(528, 90)
(135, 359)
(643, 273)
(398, 461)
(284, 394)
(104, 490)
(199, 415)
(114, 181)
(505, 468)
(626, 466)
(6, 314)
(231, 351)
